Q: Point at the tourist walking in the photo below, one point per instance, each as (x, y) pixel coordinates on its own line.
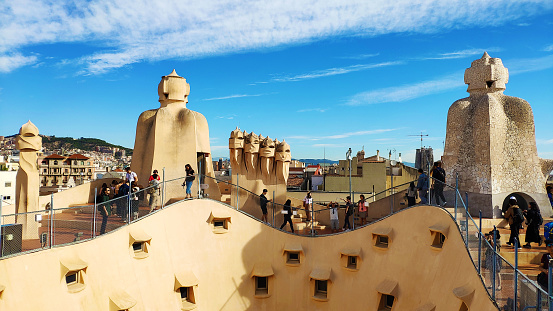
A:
(123, 200)
(308, 205)
(349, 212)
(287, 212)
(533, 222)
(188, 180)
(363, 209)
(515, 218)
(154, 191)
(438, 175)
(334, 220)
(104, 208)
(422, 185)
(411, 194)
(489, 257)
(263, 203)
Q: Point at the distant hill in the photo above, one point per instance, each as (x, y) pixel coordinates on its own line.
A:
(316, 161)
(88, 144)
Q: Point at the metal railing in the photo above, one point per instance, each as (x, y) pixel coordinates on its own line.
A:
(507, 286)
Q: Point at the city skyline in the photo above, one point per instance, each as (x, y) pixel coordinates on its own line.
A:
(359, 75)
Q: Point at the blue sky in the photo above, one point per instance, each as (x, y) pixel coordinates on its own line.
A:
(324, 75)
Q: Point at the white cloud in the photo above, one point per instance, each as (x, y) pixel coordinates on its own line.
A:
(321, 110)
(544, 141)
(334, 71)
(9, 62)
(123, 32)
(217, 148)
(343, 135)
(406, 92)
(360, 56)
(462, 53)
(411, 91)
(234, 96)
(518, 66)
(548, 48)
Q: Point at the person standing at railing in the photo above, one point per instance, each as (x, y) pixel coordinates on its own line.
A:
(122, 201)
(515, 218)
(308, 205)
(154, 191)
(543, 278)
(114, 188)
(263, 203)
(334, 220)
(349, 211)
(188, 180)
(134, 200)
(104, 208)
(533, 222)
(550, 194)
(363, 209)
(438, 175)
(422, 185)
(411, 194)
(489, 257)
(287, 212)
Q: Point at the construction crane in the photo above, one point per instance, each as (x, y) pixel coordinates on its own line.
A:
(421, 136)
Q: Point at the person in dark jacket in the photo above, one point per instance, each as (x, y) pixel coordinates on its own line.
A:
(533, 222)
(422, 185)
(438, 175)
(124, 200)
(104, 208)
(349, 212)
(189, 180)
(287, 208)
(263, 204)
(513, 216)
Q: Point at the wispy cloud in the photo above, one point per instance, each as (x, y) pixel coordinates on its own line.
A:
(544, 141)
(233, 96)
(217, 148)
(329, 145)
(461, 54)
(334, 71)
(10, 62)
(407, 92)
(518, 66)
(321, 110)
(548, 48)
(343, 135)
(360, 56)
(123, 32)
(227, 117)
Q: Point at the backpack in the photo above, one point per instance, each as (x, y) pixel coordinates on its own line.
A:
(154, 185)
(518, 217)
(548, 231)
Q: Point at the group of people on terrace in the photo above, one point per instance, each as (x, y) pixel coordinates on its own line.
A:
(436, 184)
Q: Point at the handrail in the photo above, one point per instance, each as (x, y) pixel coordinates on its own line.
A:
(275, 206)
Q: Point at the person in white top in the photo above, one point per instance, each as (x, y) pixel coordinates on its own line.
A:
(130, 176)
(308, 205)
(334, 221)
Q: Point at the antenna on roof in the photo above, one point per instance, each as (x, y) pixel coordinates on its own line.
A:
(421, 135)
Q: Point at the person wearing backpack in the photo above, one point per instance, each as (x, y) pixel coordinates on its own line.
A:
(154, 191)
(533, 222)
(515, 218)
(438, 178)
